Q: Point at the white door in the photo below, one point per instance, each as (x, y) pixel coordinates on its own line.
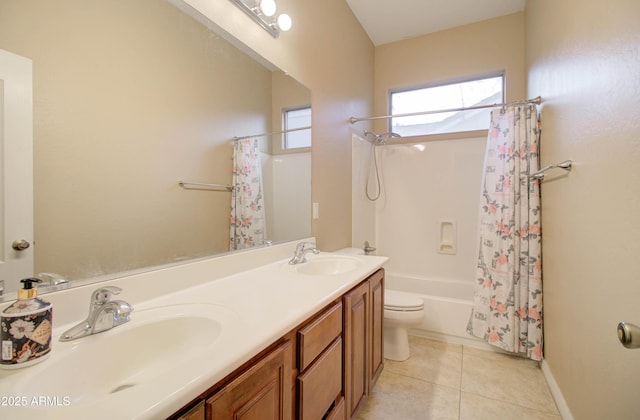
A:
(16, 176)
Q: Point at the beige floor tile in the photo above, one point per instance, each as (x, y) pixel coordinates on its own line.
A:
(497, 355)
(476, 407)
(506, 378)
(431, 361)
(399, 397)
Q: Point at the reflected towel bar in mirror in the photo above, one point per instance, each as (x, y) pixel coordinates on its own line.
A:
(202, 186)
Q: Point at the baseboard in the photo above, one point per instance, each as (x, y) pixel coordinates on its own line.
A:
(563, 408)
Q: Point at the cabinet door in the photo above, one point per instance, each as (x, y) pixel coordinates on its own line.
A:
(376, 291)
(320, 386)
(356, 337)
(196, 413)
(262, 392)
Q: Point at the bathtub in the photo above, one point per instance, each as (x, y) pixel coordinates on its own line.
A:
(447, 306)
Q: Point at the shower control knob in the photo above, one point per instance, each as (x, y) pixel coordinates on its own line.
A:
(20, 245)
(629, 335)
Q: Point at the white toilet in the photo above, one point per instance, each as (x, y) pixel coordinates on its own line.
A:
(401, 311)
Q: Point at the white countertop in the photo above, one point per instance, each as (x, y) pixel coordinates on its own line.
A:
(266, 302)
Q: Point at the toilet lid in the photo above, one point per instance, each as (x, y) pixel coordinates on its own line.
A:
(402, 301)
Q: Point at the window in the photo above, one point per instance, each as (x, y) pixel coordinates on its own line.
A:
(470, 93)
(297, 118)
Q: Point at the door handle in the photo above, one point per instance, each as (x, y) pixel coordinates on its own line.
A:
(629, 335)
(20, 245)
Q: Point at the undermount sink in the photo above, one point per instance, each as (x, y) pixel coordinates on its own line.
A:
(134, 354)
(328, 265)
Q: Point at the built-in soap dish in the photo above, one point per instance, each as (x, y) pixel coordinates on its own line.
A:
(447, 237)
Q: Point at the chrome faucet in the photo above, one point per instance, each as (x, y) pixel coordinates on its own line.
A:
(104, 314)
(52, 281)
(302, 249)
(368, 249)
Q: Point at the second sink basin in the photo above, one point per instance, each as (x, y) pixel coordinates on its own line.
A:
(133, 354)
(328, 265)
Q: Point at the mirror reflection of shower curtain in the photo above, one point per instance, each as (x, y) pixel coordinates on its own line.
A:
(507, 302)
(247, 225)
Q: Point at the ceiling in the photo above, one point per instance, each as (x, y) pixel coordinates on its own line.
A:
(387, 21)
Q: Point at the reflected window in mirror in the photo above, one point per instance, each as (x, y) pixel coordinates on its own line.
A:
(297, 119)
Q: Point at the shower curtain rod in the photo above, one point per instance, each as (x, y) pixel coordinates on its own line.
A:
(271, 134)
(537, 101)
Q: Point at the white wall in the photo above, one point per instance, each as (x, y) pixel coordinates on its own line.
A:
(363, 227)
(423, 184)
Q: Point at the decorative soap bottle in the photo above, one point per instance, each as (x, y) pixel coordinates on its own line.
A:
(25, 328)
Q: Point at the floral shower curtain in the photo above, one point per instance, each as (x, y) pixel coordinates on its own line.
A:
(247, 223)
(507, 303)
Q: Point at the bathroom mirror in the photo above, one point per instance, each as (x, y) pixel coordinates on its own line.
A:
(130, 97)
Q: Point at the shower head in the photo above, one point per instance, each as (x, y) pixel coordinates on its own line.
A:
(390, 135)
(382, 138)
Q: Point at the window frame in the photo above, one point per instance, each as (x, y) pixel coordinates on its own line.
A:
(285, 133)
(428, 85)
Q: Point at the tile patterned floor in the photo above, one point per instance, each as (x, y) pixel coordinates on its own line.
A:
(450, 381)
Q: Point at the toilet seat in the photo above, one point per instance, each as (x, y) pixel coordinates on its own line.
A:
(395, 300)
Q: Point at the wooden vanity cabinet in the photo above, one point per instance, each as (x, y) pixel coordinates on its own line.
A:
(319, 383)
(376, 294)
(363, 343)
(197, 412)
(262, 392)
(324, 369)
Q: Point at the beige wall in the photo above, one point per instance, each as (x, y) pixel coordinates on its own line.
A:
(329, 52)
(583, 58)
(475, 49)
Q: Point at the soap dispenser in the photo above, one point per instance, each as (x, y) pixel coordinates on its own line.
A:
(25, 328)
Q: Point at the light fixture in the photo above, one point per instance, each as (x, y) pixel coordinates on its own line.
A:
(284, 22)
(261, 11)
(268, 7)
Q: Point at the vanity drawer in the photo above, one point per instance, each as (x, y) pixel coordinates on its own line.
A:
(315, 337)
(338, 411)
(321, 384)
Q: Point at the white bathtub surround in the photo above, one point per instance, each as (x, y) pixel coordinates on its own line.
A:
(507, 307)
(287, 179)
(264, 296)
(447, 306)
(424, 184)
(363, 211)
